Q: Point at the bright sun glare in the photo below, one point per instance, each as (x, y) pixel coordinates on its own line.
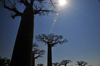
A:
(62, 2)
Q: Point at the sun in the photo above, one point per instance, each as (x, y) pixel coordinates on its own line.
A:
(62, 2)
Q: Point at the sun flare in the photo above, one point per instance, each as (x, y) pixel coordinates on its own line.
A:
(62, 2)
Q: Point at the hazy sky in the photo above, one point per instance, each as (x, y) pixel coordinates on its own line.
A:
(78, 21)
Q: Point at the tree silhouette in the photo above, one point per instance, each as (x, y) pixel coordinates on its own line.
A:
(55, 64)
(81, 63)
(24, 40)
(4, 61)
(65, 62)
(51, 40)
(40, 64)
(90, 65)
(37, 52)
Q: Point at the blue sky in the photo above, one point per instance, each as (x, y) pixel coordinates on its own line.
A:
(78, 21)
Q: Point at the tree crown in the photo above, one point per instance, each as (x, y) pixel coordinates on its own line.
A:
(39, 6)
(51, 39)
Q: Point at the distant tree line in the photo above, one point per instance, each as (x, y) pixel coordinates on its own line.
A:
(6, 62)
(51, 40)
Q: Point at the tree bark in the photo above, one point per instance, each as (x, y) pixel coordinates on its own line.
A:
(49, 58)
(33, 59)
(22, 53)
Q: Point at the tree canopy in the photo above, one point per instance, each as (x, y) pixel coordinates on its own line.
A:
(51, 39)
(39, 6)
(81, 63)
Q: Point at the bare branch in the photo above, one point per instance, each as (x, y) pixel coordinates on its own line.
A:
(14, 9)
(40, 53)
(40, 38)
(25, 2)
(43, 12)
(13, 5)
(40, 9)
(41, 1)
(14, 15)
(60, 42)
(35, 45)
(37, 51)
(52, 3)
(51, 39)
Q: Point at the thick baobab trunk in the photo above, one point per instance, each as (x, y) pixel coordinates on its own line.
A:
(33, 59)
(49, 58)
(22, 53)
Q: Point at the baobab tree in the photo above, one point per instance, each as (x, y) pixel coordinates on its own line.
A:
(37, 52)
(40, 64)
(51, 40)
(65, 62)
(81, 63)
(24, 40)
(55, 64)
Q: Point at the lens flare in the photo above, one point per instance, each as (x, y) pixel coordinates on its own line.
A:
(53, 24)
(62, 2)
(59, 9)
(57, 13)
